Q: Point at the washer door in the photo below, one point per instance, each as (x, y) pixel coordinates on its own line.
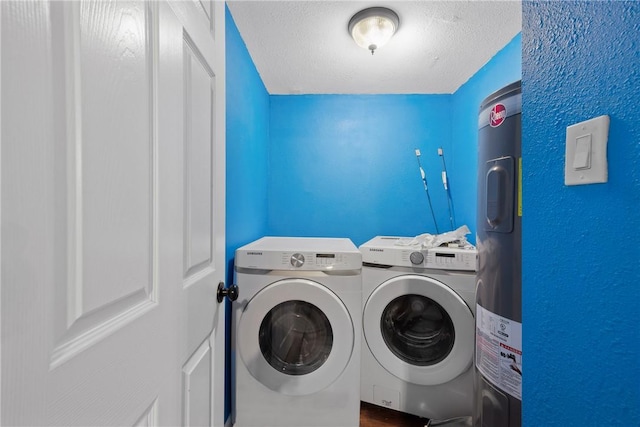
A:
(295, 337)
(419, 329)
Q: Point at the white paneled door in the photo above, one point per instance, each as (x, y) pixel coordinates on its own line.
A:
(112, 211)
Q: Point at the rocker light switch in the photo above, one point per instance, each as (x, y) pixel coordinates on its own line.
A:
(582, 156)
(586, 152)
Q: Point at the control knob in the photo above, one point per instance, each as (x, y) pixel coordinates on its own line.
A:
(297, 260)
(416, 258)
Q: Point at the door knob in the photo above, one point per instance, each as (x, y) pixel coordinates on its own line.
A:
(231, 292)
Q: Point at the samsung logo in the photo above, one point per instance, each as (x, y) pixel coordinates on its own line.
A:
(254, 253)
(376, 250)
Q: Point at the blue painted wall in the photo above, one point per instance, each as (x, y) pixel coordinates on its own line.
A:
(247, 125)
(581, 282)
(247, 143)
(462, 160)
(344, 165)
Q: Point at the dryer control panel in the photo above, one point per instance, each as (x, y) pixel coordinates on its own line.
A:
(298, 260)
(301, 254)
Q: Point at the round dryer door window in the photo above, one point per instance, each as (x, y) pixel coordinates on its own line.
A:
(419, 329)
(295, 337)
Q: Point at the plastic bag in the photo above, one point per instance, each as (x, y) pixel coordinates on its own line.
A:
(427, 241)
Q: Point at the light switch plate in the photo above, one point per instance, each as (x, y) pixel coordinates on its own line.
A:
(586, 152)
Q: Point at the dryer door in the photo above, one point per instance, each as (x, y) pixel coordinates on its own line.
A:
(419, 329)
(295, 337)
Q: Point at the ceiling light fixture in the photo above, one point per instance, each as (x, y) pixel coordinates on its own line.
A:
(373, 27)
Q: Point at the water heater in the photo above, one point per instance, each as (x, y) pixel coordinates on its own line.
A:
(498, 351)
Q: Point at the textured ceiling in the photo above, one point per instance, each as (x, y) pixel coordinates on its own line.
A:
(303, 47)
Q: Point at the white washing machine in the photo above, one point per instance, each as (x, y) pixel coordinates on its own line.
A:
(297, 333)
(418, 328)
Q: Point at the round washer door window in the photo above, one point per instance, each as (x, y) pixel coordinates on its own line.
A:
(419, 329)
(295, 337)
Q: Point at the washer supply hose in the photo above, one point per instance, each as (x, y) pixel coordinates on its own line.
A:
(423, 175)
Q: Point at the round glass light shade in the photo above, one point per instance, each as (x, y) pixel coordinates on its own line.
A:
(372, 28)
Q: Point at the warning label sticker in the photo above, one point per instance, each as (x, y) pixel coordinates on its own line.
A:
(499, 351)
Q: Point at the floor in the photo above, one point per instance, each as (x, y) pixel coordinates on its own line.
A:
(375, 416)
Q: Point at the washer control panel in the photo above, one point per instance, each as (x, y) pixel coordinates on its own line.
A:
(416, 258)
(297, 260)
(452, 258)
(392, 251)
